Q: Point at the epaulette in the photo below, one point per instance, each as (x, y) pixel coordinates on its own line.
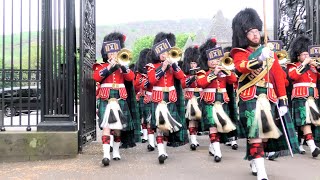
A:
(94, 66)
(291, 65)
(150, 65)
(235, 50)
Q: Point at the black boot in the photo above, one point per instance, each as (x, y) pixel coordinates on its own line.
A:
(105, 161)
(193, 147)
(316, 152)
(144, 141)
(217, 159)
(234, 147)
(150, 148)
(162, 158)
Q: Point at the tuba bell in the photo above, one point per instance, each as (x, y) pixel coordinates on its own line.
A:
(227, 62)
(124, 57)
(175, 54)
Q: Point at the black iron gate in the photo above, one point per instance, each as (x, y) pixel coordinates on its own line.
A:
(87, 126)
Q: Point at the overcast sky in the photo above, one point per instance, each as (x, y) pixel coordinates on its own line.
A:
(126, 11)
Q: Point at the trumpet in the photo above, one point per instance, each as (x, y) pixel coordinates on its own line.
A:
(175, 54)
(282, 55)
(124, 57)
(316, 60)
(227, 62)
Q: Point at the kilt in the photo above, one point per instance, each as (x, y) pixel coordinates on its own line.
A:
(141, 108)
(176, 138)
(247, 113)
(123, 105)
(299, 115)
(200, 127)
(146, 111)
(207, 116)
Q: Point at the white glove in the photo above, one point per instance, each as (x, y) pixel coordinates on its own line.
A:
(283, 110)
(266, 53)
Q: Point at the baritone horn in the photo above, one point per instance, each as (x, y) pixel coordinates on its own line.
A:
(175, 54)
(124, 57)
(227, 62)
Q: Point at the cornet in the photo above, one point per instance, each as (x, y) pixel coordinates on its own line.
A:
(227, 62)
(316, 60)
(175, 54)
(124, 57)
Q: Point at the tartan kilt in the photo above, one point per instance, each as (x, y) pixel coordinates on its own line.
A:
(146, 111)
(176, 138)
(200, 124)
(123, 105)
(141, 109)
(247, 109)
(299, 115)
(208, 120)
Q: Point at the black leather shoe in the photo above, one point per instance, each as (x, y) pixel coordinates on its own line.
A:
(111, 149)
(217, 159)
(316, 152)
(193, 147)
(144, 141)
(234, 147)
(105, 161)
(150, 148)
(161, 158)
(116, 159)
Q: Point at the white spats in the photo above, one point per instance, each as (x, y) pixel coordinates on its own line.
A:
(261, 170)
(253, 168)
(217, 150)
(111, 140)
(161, 149)
(151, 140)
(165, 147)
(311, 145)
(193, 139)
(115, 152)
(145, 134)
(106, 150)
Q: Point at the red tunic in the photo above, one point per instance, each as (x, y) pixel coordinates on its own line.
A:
(148, 90)
(302, 82)
(114, 81)
(164, 83)
(191, 89)
(217, 85)
(276, 88)
(140, 92)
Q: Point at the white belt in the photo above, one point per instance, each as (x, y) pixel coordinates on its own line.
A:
(112, 85)
(305, 85)
(194, 89)
(220, 90)
(148, 93)
(164, 89)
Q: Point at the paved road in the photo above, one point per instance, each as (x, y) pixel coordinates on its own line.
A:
(137, 163)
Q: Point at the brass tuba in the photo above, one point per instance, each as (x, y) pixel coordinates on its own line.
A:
(175, 54)
(124, 57)
(227, 62)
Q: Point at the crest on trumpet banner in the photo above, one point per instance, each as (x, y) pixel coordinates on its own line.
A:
(111, 46)
(214, 53)
(114, 36)
(314, 50)
(161, 47)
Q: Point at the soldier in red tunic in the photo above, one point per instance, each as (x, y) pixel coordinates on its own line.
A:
(213, 78)
(192, 92)
(113, 110)
(304, 72)
(162, 73)
(141, 73)
(261, 86)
